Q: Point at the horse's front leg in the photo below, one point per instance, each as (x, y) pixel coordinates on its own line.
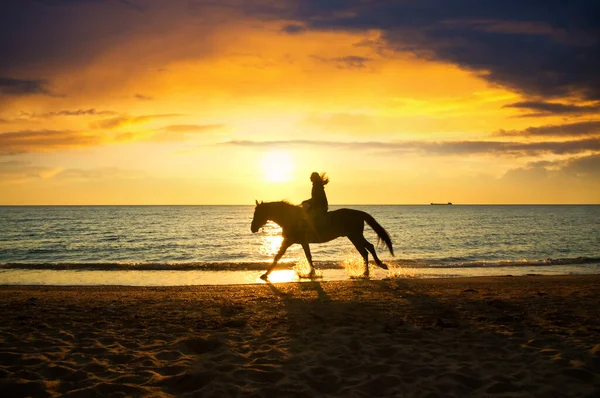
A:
(284, 246)
(306, 248)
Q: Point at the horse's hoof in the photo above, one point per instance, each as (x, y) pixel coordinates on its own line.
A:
(382, 265)
(264, 277)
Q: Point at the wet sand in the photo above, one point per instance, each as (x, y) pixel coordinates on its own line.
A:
(535, 336)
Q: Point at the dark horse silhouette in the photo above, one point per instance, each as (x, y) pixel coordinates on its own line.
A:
(296, 229)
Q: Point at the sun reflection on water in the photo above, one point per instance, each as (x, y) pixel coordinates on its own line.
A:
(270, 245)
(271, 239)
(270, 242)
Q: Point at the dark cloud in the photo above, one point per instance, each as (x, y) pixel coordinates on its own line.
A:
(293, 29)
(63, 36)
(15, 142)
(442, 147)
(348, 62)
(549, 48)
(57, 32)
(584, 167)
(9, 86)
(590, 128)
(543, 108)
(67, 2)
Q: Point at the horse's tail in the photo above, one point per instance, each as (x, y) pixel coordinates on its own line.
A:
(382, 234)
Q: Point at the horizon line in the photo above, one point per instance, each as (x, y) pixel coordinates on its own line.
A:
(336, 204)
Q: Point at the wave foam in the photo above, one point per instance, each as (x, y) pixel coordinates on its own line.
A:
(256, 266)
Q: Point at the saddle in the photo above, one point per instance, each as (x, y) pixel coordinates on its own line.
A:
(317, 220)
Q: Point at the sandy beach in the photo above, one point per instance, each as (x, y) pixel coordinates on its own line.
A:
(535, 336)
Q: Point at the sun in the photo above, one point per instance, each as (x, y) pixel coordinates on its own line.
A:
(277, 166)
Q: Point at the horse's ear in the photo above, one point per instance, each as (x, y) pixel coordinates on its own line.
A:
(256, 201)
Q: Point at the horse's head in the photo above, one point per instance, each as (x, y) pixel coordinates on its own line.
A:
(260, 217)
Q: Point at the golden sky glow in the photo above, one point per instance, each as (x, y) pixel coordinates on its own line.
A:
(277, 166)
(225, 106)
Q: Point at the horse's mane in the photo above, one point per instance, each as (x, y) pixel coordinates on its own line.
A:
(283, 203)
(287, 202)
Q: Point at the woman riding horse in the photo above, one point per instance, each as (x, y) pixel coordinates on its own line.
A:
(297, 228)
(317, 206)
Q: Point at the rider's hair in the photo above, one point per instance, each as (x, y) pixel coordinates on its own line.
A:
(322, 178)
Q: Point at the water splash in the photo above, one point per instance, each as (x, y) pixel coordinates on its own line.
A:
(401, 272)
(354, 265)
(302, 268)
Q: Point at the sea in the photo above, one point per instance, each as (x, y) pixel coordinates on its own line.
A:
(199, 245)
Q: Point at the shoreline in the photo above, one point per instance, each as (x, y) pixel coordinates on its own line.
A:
(283, 274)
(459, 280)
(476, 336)
(228, 265)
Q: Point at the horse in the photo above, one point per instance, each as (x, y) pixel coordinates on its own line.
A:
(296, 227)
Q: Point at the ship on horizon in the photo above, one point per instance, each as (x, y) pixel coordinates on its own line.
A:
(441, 204)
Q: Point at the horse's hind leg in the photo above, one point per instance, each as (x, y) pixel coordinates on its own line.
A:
(369, 246)
(309, 258)
(359, 243)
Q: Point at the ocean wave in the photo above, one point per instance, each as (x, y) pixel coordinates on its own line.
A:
(459, 263)
(150, 266)
(257, 265)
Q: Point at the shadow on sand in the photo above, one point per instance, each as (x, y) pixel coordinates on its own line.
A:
(530, 336)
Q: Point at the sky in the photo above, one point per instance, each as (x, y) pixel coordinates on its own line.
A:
(204, 102)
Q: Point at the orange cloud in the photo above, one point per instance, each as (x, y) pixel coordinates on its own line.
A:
(12, 143)
(193, 128)
(120, 121)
